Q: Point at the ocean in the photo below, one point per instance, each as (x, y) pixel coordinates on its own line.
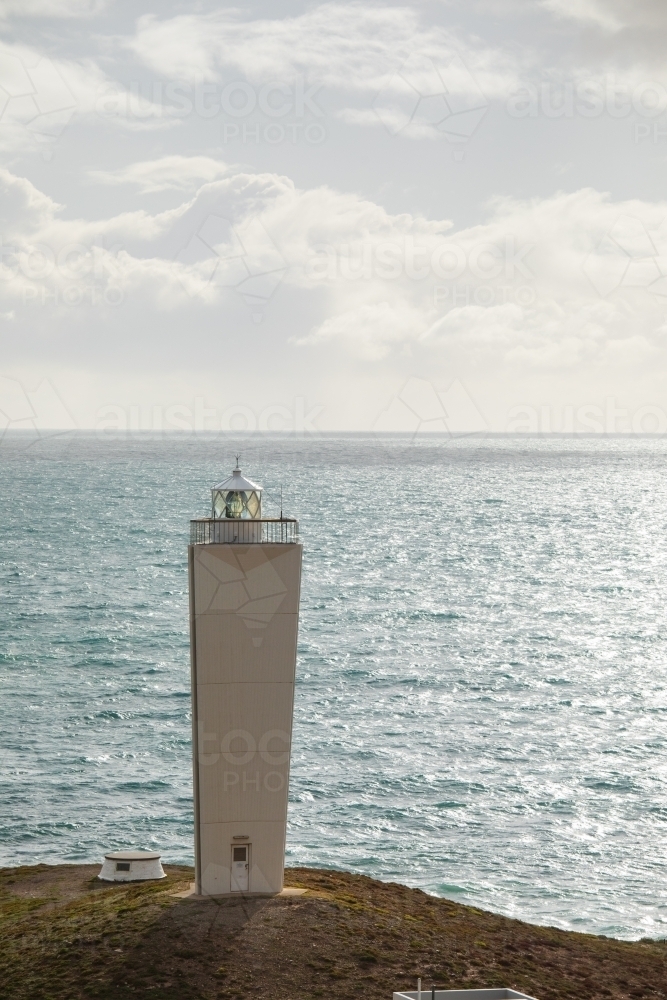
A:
(481, 703)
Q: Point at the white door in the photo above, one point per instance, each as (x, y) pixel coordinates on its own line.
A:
(240, 867)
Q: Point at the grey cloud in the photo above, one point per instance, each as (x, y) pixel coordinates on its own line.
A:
(51, 8)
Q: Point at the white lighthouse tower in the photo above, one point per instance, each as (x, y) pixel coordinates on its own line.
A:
(245, 576)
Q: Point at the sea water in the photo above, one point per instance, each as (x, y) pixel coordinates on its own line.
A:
(481, 704)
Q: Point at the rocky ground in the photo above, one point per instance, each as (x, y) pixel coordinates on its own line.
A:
(65, 936)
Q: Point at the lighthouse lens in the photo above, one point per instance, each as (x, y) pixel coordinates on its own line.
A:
(234, 504)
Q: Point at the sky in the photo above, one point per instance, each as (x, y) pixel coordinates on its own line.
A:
(446, 216)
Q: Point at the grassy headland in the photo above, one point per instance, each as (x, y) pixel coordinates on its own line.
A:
(66, 936)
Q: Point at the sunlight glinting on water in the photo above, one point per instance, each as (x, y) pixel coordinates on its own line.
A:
(482, 673)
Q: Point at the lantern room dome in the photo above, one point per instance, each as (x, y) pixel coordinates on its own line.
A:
(237, 481)
(237, 497)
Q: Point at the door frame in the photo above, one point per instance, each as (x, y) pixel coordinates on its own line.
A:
(231, 886)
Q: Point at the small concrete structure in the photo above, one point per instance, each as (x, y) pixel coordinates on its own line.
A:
(492, 994)
(131, 866)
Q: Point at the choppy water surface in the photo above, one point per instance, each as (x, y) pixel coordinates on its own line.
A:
(482, 682)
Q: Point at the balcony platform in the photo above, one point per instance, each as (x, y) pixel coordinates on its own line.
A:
(244, 531)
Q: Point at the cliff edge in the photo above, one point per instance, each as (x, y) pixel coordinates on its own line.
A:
(66, 936)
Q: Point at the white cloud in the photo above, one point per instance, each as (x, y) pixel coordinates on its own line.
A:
(43, 252)
(349, 47)
(169, 173)
(384, 66)
(39, 97)
(514, 292)
(370, 330)
(23, 208)
(36, 101)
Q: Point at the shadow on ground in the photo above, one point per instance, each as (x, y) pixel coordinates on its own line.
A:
(66, 936)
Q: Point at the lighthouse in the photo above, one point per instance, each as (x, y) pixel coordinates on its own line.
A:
(244, 579)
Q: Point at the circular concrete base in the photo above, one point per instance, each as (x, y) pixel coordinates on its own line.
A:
(131, 866)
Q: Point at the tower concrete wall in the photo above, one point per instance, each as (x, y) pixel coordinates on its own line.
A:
(244, 608)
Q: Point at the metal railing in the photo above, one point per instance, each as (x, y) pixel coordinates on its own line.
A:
(228, 531)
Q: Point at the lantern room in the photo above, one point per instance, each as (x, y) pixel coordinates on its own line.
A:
(237, 498)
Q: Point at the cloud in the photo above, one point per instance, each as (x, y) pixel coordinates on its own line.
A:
(169, 173)
(387, 67)
(280, 272)
(514, 291)
(24, 209)
(611, 15)
(348, 47)
(36, 102)
(598, 12)
(369, 331)
(51, 8)
(40, 96)
(623, 37)
(44, 253)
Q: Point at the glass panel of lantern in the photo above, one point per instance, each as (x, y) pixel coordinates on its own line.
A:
(219, 504)
(253, 504)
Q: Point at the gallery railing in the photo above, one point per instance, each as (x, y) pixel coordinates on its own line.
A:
(226, 531)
